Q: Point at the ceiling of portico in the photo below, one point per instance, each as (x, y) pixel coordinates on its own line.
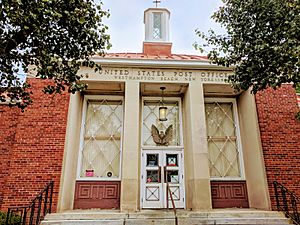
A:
(153, 89)
(219, 90)
(105, 87)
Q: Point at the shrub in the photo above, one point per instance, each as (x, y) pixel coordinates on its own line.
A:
(15, 219)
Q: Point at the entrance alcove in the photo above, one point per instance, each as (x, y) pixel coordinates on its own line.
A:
(162, 165)
(71, 163)
(252, 182)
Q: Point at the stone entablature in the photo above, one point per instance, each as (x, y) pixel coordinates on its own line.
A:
(155, 75)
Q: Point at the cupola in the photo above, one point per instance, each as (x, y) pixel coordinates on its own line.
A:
(156, 22)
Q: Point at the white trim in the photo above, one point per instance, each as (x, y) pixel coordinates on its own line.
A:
(238, 135)
(173, 148)
(98, 179)
(84, 110)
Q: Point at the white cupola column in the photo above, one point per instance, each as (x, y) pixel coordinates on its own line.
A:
(157, 33)
(156, 25)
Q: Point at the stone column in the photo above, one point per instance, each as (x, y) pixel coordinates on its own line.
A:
(198, 191)
(130, 156)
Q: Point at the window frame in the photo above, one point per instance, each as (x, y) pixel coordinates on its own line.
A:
(146, 147)
(238, 137)
(154, 14)
(82, 130)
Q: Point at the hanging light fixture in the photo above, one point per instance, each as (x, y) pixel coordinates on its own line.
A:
(162, 109)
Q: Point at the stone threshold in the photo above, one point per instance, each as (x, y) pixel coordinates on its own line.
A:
(164, 213)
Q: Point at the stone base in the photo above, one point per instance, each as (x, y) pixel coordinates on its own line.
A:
(166, 217)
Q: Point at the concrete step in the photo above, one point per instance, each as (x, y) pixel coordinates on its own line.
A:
(166, 217)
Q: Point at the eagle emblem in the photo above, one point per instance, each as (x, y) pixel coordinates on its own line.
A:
(162, 138)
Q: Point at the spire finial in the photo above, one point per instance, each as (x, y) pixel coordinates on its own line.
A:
(156, 2)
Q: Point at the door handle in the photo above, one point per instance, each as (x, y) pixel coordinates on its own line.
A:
(165, 174)
(159, 174)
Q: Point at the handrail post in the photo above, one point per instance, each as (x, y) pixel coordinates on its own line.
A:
(276, 195)
(285, 204)
(51, 195)
(32, 208)
(294, 204)
(295, 207)
(7, 216)
(24, 217)
(39, 208)
(46, 201)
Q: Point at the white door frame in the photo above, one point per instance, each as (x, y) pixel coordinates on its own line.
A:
(163, 150)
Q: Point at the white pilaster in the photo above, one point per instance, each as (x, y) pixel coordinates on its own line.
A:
(198, 191)
(69, 168)
(130, 161)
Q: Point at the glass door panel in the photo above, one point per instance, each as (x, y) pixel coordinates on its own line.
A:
(173, 161)
(151, 177)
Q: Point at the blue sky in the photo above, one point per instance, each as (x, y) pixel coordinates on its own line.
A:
(126, 25)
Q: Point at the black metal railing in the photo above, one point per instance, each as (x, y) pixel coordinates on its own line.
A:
(288, 202)
(35, 212)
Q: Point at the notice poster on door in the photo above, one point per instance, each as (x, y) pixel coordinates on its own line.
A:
(172, 160)
(174, 178)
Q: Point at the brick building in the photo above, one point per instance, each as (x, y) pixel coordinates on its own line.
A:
(103, 148)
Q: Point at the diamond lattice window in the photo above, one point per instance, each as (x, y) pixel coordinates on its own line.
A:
(102, 139)
(151, 116)
(157, 25)
(222, 140)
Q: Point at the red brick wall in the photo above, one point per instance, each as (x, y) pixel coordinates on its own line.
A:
(8, 123)
(280, 135)
(32, 144)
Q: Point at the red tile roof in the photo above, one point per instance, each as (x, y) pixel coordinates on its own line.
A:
(155, 57)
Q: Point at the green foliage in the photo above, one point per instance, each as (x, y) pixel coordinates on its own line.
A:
(262, 42)
(15, 219)
(56, 37)
(298, 88)
(297, 116)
